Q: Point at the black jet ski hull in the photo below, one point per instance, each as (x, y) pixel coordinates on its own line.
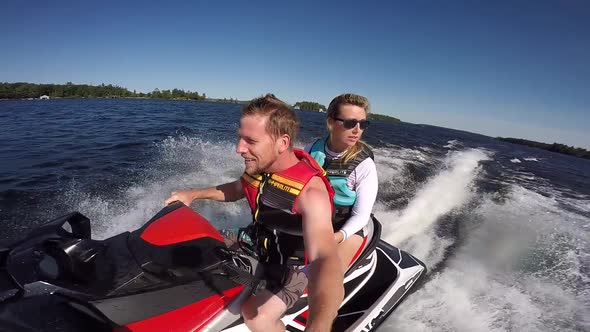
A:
(172, 274)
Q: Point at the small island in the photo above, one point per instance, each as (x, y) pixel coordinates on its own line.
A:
(310, 106)
(382, 117)
(555, 147)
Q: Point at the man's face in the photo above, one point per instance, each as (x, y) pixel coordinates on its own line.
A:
(258, 148)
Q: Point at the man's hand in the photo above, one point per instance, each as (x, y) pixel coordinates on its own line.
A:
(228, 192)
(185, 196)
(339, 237)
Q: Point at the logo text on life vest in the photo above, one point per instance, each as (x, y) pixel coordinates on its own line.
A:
(283, 187)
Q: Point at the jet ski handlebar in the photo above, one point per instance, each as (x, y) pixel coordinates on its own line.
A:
(241, 269)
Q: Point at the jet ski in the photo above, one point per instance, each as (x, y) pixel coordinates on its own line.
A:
(172, 274)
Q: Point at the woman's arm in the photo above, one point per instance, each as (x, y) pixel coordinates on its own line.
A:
(366, 187)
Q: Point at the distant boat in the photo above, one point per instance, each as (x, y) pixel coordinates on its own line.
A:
(44, 97)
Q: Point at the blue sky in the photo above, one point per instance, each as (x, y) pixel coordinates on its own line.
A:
(500, 68)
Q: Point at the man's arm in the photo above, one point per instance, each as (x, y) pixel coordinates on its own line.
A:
(228, 192)
(326, 285)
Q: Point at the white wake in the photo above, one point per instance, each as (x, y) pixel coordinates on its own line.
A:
(448, 190)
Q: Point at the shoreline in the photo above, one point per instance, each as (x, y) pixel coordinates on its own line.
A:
(555, 147)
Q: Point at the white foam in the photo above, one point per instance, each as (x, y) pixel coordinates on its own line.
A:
(450, 189)
(451, 144)
(212, 164)
(531, 159)
(515, 161)
(393, 169)
(418, 155)
(520, 269)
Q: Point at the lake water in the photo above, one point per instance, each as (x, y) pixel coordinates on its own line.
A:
(504, 229)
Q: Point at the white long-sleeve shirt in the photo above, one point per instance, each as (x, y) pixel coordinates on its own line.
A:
(363, 180)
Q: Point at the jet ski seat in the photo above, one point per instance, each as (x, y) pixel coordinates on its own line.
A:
(368, 245)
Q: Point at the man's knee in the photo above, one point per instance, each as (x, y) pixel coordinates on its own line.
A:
(248, 311)
(257, 318)
(255, 321)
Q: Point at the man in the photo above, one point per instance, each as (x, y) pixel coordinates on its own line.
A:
(291, 206)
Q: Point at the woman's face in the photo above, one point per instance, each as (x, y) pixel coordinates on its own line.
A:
(342, 136)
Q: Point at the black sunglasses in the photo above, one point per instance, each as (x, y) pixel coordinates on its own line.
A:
(351, 123)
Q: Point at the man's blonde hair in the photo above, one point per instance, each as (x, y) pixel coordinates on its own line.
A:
(281, 118)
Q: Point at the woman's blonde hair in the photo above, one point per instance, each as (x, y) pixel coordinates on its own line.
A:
(333, 112)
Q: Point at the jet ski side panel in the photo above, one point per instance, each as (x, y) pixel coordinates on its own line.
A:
(381, 304)
(124, 279)
(194, 306)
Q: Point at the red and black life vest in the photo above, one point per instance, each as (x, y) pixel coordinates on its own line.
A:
(277, 224)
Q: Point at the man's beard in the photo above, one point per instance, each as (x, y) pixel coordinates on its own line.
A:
(254, 170)
(258, 168)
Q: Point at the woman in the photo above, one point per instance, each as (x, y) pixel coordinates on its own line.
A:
(349, 164)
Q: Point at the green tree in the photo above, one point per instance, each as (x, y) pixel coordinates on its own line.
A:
(309, 105)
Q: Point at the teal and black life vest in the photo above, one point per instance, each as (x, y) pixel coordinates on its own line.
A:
(277, 228)
(338, 173)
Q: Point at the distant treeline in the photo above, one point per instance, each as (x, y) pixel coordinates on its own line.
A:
(309, 105)
(69, 90)
(374, 116)
(24, 90)
(555, 147)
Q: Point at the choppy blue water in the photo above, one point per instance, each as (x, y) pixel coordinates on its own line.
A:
(503, 228)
